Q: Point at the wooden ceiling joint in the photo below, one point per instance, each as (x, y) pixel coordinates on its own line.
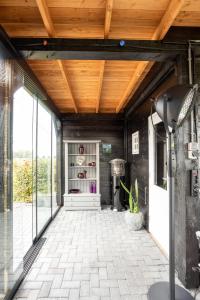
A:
(49, 26)
(107, 23)
(167, 20)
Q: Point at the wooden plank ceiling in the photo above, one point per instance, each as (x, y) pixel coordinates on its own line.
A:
(94, 86)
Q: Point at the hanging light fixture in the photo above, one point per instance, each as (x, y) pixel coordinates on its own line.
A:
(178, 101)
(173, 107)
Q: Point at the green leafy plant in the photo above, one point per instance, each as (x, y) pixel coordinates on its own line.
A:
(24, 177)
(22, 180)
(133, 203)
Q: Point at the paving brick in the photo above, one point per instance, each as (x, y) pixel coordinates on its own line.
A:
(74, 294)
(85, 288)
(57, 293)
(90, 298)
(100, 292)
(68, 274)
(108, 283)
(115, 294)
(32, 285)
(45, 289)
(57, 281)
(71, 284)
(103, 273)
(81, 277)
(94, 280)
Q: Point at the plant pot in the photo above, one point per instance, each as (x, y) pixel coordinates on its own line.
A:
(134, 221)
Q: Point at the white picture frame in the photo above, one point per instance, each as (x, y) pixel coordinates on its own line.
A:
(135, 143)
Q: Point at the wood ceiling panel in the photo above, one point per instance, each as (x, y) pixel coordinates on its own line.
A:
(24, 29)
(12, 14)
(49, 74)
(68, 15)
(142, 17)
(19, 3)
(119, 70)
(77, 3)
(131, 32)
(117, 75)
(141, 4)
(57, 3)
(191, 5)
(188, 18)
(84, 77)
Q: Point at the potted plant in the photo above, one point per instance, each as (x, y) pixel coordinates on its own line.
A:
(133, 217)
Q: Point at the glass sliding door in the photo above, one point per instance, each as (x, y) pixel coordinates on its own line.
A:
(23, 187)
(54, 169)
(7, 278)
(44, 167)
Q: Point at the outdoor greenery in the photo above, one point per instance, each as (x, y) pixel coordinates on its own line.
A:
(24, 178)
(22, 181)
(133, 201)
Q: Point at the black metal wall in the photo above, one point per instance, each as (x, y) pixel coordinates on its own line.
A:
(139, 163)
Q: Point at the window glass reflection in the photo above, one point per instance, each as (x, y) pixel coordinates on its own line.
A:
(43, 167)
(22, 174)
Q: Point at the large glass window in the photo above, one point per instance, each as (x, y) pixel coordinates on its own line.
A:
(54, 168)
(43, 167)
(22, 174)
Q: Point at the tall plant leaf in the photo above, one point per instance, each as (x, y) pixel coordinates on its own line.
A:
(130, 199)
(124, 187)
(136, 202)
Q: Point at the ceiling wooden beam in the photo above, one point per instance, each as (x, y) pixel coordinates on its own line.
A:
(108, 16)
(168, 18)
(67, 82)
(46, 18)
(49, 26)
(159, 33)
(101, 75)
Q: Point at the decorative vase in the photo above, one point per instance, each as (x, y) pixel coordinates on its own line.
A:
(80, 159)
(80, 175)
(81, 149)
(91, 187)
(94, 188)
(134, 221)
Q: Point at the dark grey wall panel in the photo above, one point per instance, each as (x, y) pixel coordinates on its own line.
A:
(109, 132)
(138, 163)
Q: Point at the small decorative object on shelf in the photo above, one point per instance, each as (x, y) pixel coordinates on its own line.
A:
(81, 175)
(91, 187)
(80, 159)
(74, 191)
(81, 149)
(92, 164)
(85, 174)
(94, 188)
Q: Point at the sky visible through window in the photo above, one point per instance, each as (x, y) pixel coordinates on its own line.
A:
(23, 108)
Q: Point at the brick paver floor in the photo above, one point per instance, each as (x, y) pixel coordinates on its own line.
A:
(93, 256)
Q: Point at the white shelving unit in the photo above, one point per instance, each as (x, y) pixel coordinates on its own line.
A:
(84, 199)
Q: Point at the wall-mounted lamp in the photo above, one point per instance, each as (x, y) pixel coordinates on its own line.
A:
(173, 106)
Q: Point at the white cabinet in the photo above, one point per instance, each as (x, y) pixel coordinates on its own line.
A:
(82, 175)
